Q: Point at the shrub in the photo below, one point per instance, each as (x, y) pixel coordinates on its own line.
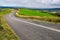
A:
(57, 14)
(1, 27)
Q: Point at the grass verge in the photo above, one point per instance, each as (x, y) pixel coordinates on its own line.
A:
(6, 33)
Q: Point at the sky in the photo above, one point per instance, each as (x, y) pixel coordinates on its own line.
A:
(31, 3)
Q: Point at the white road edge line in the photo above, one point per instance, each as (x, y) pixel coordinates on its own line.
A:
(53, 29)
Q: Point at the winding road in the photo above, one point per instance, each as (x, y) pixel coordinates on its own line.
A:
(33, 30)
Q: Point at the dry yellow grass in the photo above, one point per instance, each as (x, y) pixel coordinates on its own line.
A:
(6, 33)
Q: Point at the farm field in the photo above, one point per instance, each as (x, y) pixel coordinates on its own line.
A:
(38, 15)
(30, 12)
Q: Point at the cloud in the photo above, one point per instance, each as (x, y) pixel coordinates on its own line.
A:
(31, 3)
(48, 1)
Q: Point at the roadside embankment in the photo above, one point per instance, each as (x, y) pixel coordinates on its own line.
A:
(51, 19)
(6, 33)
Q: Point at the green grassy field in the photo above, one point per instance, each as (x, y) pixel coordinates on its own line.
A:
(6, 32)
(4, 11)
(38, 15)
(33, 13)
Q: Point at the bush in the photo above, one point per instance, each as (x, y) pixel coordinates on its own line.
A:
(57, 14)
(1, 27)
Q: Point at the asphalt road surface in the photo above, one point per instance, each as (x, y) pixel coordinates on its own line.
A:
(33, 30)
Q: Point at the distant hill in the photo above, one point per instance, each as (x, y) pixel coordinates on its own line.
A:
(49, 9)
(44, 9)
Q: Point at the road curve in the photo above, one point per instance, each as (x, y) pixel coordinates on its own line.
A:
(33, 30)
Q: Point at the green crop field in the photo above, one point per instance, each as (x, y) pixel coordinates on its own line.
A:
(38, 15)
(30, 12)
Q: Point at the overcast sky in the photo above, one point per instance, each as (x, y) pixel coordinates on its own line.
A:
(31, 3)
